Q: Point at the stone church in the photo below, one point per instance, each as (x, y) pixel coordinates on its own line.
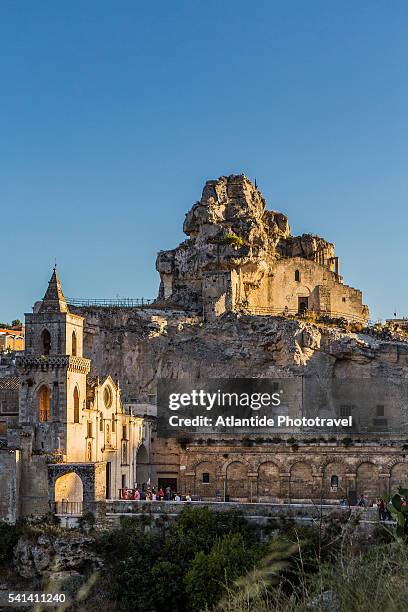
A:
(240, 257)
(73, 442)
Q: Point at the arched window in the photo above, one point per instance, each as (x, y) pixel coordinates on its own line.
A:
(44, 404)
(113, 422)
(297, 275)
(74, 344)
(46, 342)
(100, 421)
(107, 396)
(76, 405)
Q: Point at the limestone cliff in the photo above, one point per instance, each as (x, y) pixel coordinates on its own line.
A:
(139, 346)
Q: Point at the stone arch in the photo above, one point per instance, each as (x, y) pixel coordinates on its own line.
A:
(142, 465)
(228, 462)
(388, 467)
(367, 480)
(301, 481)
(45, 342)
(302, 290)
(68, 494)
(398, 476)
(236, 480)
(268, 481)
(334, 480)
(93, 480)
(44, 403)
(76, 404)
(336, 461)
(205, 479)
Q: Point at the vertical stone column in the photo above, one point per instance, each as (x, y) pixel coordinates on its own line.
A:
(219, 483)
(384, 483)
(187, 482)
(318, 486)
(284, 478)
(351, 483)
(253, 488)
(55, 401)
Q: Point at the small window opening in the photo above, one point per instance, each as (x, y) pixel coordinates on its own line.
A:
(46, 342)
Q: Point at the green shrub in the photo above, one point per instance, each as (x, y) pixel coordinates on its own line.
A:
(230, 239)
(211, 573)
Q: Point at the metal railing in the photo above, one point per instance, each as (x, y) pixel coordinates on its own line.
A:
(112, 303)
(70, 508)
(267, 310)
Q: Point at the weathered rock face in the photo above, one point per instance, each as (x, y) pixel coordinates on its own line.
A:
(138, 347)
(49, 554)
(228, 228)
(240, 256)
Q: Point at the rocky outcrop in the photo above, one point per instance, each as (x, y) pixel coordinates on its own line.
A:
(47, 555)
(230, 229)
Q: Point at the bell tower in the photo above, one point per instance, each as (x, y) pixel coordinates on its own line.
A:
(52, 371)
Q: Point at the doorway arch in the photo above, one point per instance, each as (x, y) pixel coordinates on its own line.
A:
(142, 465)
(69, 494)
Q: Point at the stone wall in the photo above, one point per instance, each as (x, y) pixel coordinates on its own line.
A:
(10, 474)
(301, 472)
(109, 514)
(34, 484)
(8, 403)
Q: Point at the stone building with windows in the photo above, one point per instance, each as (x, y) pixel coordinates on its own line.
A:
(11, 339)
(240, 257)
(67, 439)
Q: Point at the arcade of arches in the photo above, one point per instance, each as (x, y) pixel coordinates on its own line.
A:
(262, 479)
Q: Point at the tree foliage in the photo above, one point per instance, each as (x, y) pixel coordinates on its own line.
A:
(152, 572)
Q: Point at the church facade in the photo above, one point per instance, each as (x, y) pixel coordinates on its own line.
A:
(73, 443)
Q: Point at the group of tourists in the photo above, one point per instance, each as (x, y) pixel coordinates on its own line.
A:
(148, 493)
(381, 505)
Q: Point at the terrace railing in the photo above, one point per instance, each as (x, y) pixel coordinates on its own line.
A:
(111, 303)
(69, 508)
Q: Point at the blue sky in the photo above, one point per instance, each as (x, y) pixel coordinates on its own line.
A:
(113, 115)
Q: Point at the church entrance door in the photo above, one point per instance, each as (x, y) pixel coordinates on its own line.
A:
(303, 304)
